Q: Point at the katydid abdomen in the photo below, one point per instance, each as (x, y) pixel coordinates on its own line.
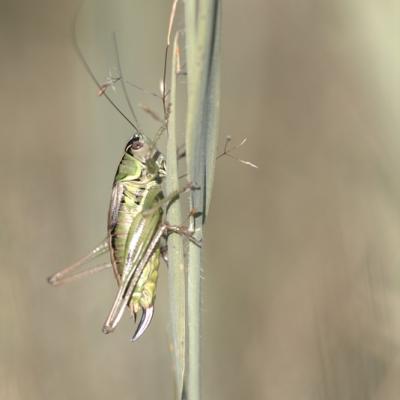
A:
(130, 235)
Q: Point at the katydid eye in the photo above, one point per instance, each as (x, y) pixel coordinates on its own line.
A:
(137, 145)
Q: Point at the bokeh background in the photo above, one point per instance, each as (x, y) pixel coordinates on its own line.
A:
(302, 256)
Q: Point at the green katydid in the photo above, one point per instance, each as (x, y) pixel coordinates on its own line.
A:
(135, 220)
(135, 229)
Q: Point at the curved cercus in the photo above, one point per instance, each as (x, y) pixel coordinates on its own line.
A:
(147, 316)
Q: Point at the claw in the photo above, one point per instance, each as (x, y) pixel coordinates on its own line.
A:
(144, 322)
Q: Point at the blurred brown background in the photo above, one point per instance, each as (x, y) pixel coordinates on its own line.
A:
(302, 272)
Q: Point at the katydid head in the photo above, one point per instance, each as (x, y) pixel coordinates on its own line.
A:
(140, 147)
(143, 150)
(135, 143)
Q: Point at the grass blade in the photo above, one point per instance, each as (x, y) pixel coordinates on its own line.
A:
(176, 262)
(202, 42)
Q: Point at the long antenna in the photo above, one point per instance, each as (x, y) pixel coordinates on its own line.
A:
(122, 79)
(90, 72)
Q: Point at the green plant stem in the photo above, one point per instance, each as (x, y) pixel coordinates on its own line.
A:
(202, 44)
(176, 262)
